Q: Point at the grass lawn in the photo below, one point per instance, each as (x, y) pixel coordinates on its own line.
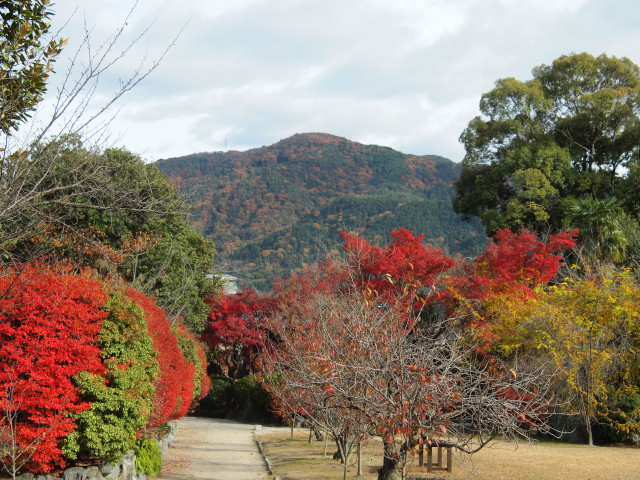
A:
(298, 460)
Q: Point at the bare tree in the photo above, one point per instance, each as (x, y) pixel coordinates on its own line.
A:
(52, 162)
(375, 365)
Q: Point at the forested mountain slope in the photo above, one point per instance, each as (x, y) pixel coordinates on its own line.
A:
(275, 208)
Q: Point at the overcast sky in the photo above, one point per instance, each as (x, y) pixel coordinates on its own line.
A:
(407, 74)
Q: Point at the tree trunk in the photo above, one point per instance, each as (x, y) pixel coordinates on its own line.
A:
(587, 422)
(326, 441)
(389, 470)
(344, 447)
(293, 424)
(344, 455)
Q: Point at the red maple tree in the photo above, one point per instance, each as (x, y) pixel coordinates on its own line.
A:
(518, 262)
(235, 331)
(405, 265)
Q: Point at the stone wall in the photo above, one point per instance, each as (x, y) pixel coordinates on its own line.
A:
(125, 469)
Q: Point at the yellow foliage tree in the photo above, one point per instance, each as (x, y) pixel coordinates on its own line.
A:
(588, 329)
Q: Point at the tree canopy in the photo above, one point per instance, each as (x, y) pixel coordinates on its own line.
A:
(25, 59)
(111, 211)
(571, 132)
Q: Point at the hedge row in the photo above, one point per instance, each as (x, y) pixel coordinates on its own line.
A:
(86, 369)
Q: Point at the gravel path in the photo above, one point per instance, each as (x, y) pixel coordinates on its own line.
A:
(212, 449)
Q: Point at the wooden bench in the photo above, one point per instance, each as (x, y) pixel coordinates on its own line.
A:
(438, 465)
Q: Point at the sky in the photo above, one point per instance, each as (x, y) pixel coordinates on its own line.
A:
(407, 74)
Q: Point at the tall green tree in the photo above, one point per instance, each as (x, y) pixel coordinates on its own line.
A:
(570, 132)
(26, 59)
(33, 183)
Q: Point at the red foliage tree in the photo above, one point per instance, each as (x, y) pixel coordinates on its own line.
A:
(513, 264)
(174, 385)
(355, 367)
(235, 331)
(406, 264)
(49, 321)
(352, 352)
(518, 262)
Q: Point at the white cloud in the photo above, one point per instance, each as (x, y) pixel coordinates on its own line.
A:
(548, 7)
(404, 73)
(428, 21)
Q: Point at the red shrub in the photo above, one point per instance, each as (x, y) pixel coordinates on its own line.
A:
(205, 381)
(174, 385)
(205, 385)
(49, 322)
(193, 353)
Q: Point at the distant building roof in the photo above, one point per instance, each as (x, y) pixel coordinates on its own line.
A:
(229, 282)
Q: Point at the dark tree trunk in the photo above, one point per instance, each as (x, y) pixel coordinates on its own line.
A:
(344, 447)
(389, 470)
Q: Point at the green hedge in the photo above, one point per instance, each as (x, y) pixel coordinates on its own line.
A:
(121, 405)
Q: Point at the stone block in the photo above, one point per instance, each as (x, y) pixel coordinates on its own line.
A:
(127, 466)
(47, 477)
(93, 473)
(107, 468)
(74, 473)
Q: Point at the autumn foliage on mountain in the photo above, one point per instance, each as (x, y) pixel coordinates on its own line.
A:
(281, 207)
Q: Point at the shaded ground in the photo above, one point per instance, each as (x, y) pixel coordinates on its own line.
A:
(213, 449)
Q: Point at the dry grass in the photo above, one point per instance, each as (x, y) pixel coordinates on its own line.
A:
(298, 460)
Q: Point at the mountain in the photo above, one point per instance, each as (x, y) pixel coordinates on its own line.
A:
(274, 209)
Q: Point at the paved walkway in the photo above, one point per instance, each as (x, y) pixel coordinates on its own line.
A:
(212, 449)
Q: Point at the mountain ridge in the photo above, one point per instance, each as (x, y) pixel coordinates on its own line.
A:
(279, 207)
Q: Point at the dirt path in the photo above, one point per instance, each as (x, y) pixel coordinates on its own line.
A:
(212, 449)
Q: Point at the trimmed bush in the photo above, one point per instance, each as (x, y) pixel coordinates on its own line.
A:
(121, 401)
(148, 457)
(86, 371)
(192, 350)
(49, 320)
(174, 385)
